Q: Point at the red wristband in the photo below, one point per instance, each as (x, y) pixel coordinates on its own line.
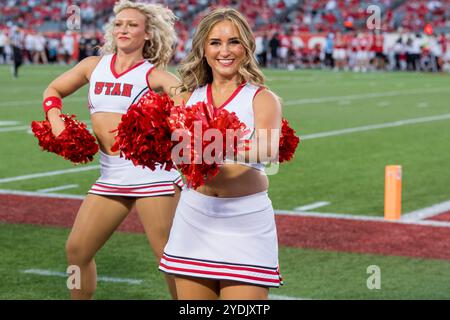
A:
(51, 102)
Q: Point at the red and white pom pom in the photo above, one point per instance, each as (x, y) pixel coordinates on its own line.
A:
(143, 135)
(74, 143)
(197, 170)
(288, 142)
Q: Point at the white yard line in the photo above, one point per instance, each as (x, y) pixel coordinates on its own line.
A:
(328, 215)
(50, 273)
(398, 123)
(431, 223)
(287, 103)
(326, 133)
(363, 96)
(65, 187)
(18, 128)
(42, 195)
(49, 173)
(8, 123)
(292, 79)
(43, 272)
(423, 105)
(28, 128)
(383, 103)
(426, 213)
(311, 206)
(444, 224)
(278, 212)
(37, 102)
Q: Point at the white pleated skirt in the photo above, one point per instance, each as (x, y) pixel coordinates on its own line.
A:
(224, 238)
(120, 177)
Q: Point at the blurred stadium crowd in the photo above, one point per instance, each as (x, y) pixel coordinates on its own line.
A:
(413, 35)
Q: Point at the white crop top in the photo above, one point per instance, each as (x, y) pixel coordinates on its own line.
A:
(240, 102)
(112, 92)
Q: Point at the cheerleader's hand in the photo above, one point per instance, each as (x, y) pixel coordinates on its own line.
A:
(56, 122)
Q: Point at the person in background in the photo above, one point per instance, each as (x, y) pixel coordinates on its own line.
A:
(3, 41)
(16, 39)
(40, 54)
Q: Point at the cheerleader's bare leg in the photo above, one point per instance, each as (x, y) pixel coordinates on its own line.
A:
(233, 290)
(156, 214)
(97, 219)
(190, 288)
(205, 289)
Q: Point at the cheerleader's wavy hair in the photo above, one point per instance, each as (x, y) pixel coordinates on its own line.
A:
(159, 23)
(194, 69)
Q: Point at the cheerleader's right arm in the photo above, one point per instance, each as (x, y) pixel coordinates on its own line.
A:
(66, 84)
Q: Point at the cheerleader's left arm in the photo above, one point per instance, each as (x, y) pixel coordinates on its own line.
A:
(162, 80)
(267, 116)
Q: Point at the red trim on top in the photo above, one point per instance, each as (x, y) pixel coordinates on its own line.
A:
(115, 74)
(90, 105)
(209, 98)
(258, 91)
(146, 77)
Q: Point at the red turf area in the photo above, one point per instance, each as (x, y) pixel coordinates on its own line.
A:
(305, 232)
(441, 217)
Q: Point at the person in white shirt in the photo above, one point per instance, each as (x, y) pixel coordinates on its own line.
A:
(446, 56)
(415, 51)
(30, 47)
(435, 53)
(68, 43)
(3, 40)
(40, 54)
(53, 45)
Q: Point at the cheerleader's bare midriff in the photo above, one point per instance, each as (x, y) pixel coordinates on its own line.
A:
(102, 125)
(235, 180)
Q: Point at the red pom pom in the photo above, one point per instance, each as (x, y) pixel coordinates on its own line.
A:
(43, 132)
(75, 143)
(197, 169)
(143, 135)
(288, 142)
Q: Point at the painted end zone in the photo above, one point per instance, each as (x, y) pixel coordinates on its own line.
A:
(51, 212)
(441, 217)
(374, 237)
(331, 234)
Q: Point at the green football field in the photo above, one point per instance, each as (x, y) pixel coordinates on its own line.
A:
(351, 126)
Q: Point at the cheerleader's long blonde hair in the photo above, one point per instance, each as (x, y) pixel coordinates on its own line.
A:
(194, 69)
(159, 22)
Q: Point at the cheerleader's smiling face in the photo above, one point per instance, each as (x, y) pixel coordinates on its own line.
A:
(129, 30)
(223, 49)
